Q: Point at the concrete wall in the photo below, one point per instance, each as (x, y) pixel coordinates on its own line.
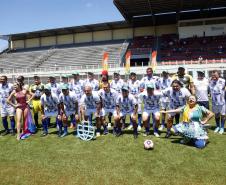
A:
(144, 31)
(48, 41)
(83, 37)
(65, 39)
(126, 33)
(123, 34)
(210, 30)
(102, 35)
(31, 43)
(18, 44)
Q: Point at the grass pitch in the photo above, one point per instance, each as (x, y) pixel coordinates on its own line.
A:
(110, 160)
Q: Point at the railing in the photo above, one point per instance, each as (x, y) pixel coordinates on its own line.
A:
(111, 66)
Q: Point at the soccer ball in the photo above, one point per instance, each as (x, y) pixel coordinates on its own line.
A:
(148, 145)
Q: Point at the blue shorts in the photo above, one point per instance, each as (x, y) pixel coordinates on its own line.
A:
(204, 104)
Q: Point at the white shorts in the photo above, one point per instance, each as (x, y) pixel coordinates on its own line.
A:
(7, 111)
(164, 105)
(51, 114)
(108, 111)
(124, 114)
(139, 110)
(219, 109)
(154, 111)
(89, 112)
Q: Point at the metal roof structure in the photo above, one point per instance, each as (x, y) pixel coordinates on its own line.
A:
(142, 13)
(132, 8)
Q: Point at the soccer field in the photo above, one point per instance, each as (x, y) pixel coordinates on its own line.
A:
(110, 160)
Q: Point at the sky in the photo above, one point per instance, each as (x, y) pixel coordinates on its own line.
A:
(18, 16)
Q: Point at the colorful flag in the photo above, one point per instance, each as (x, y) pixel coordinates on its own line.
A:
(153, 60)
(105, 61)
(128, 57)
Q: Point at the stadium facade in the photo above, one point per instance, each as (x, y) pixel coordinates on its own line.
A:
(147, 27)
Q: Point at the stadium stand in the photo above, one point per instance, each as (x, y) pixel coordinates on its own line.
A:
(195, 48)
(148, 26)
(61, 56)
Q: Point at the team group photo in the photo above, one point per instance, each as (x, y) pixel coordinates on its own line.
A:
(134, 94)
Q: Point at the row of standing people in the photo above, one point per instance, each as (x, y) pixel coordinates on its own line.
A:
(175, 95)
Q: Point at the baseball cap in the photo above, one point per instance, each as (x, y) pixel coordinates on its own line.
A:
(47, 87)
(125, 87)
(64, 87)
(151, 86)
(75, 73)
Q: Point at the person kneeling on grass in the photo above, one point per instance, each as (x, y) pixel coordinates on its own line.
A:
(126, 104)
(91, 104)
(50, 107)
(151, 100)
(193, 120)
(69, 107)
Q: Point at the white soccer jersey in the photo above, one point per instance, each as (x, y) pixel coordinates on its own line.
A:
(201, 89)
(5, 91)
(117, 85)
(55, 89)
(77, 87)
(164, 84)
(150, 102)
(146, 80)
(134, 87)
(93, 83)
(217, 91)
(50, 104)
(127, 104)
(69, 102)
(90, 102)
(177, 98)
(108, 99)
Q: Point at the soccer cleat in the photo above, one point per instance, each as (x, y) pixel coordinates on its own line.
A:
(139, 128)
(109, 125)
(161, 128)
(221, 131)
(146, 134)
(64, 134)
(105, 131)
(135, 136)
(118, 134)
(59, 133)
(156, 134)
(217, 129)
(130, 127)
(168, 134)
(98, 134)
(13, 133)
(44, 134)
(5, 133)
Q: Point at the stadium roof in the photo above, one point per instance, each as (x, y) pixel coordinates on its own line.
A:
(70, 30)
(133, 8)
(141, 13)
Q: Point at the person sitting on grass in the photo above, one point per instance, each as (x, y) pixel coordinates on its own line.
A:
(194, 117)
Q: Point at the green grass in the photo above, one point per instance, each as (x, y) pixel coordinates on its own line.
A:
(110, 160)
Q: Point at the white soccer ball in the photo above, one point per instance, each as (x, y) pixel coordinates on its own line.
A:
(148, 145)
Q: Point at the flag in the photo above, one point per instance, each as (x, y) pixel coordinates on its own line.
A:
(105, 61)
(153, 60)
(128, 57)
